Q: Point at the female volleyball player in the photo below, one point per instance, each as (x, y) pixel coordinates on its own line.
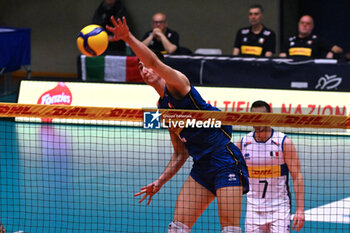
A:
(219, 169)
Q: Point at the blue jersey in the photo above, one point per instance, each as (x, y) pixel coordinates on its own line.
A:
(198, 141)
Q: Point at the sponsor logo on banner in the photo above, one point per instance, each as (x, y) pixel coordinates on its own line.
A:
(58, 95)
(329, 82)
(232, 100)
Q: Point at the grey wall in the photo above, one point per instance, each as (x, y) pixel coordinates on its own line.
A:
(55, 24)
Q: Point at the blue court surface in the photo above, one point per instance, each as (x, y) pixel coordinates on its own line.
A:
(81, 178)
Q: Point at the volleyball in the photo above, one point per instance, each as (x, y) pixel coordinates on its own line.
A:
(92, 40)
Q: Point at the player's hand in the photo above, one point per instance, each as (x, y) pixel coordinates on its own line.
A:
(157, 33)
(298, 220)
(149, 191)
(120, 29)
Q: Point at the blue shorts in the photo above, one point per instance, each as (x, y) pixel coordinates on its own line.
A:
(222, 168)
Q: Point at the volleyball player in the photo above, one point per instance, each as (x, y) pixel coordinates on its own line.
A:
(270, 156)
(219, 169)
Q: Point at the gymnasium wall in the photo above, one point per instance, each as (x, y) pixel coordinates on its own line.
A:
(55, 24)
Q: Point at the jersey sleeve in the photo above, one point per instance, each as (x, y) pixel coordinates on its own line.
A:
(175, 39)
(238, 40)
(325, 46)
(271, 43)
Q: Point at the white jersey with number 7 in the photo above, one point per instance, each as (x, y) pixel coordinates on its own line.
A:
(268, 172)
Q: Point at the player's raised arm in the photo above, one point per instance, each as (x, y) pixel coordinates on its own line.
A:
(175, 80)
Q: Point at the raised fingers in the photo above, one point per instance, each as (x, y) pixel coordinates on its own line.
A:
(139, 193)
(114, 22)
(143, 198)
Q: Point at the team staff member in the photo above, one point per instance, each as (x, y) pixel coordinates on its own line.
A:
(256, 40)
(219, 170)
(270, 156)
(161, 38)
(306, 44)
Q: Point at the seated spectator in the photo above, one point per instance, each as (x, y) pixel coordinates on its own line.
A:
(255, 40)
(161, 38)
(102, 17)
(308, 45)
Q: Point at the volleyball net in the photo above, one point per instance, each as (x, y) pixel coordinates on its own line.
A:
(76, 169)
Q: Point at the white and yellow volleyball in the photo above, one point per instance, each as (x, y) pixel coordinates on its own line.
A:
(92, 40)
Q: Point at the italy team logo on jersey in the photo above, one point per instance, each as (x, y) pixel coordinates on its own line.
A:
(274, 153)
(151, 120)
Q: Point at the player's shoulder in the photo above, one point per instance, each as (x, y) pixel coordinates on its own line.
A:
(277, 133)
(247, 139)
(244, 30)
(267, 32)
(279, 137)
(292, 38)
(248, 136)
(171, 32)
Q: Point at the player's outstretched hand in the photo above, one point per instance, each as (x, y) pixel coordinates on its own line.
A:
(120, 29)
(149, 190)
(298, 221)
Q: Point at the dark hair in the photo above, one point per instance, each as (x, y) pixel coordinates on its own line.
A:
(260, 103)
(257, 6)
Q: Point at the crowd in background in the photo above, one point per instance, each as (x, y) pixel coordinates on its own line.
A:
(255, 40)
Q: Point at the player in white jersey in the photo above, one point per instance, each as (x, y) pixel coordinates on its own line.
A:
(270, 156)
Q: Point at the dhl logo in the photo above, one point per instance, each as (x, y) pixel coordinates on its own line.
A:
(253, 50)
(136, 115)
(260, 173)
(265, 172)
(300, 52)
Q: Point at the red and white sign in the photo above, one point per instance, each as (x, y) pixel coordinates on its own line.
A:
(142, 96)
